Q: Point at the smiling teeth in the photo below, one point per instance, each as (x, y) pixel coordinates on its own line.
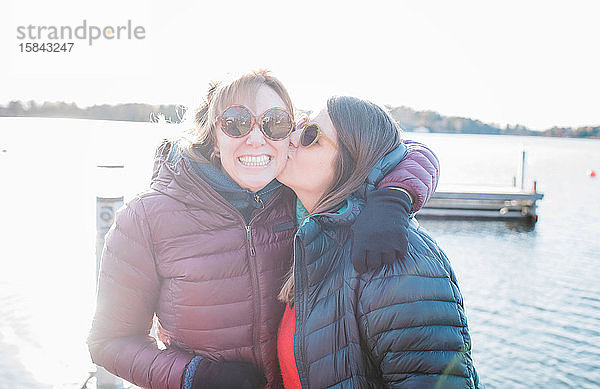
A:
(260, 160)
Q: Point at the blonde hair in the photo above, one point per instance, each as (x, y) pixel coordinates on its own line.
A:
(201, 137)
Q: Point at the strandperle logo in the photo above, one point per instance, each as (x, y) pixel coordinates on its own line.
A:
(82, 32)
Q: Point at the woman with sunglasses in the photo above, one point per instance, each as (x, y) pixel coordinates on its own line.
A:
(401, 326)
(207, 248)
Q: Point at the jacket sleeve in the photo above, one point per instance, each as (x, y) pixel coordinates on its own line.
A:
(412, 320)
(418, 174)
(128, 289)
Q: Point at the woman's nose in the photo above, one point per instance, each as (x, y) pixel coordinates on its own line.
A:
(295, 138)
(256, 137)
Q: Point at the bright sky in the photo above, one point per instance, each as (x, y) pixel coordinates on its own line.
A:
(534, 63)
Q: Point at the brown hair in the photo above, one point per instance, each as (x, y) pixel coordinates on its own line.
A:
(220, 95)
(365, 133)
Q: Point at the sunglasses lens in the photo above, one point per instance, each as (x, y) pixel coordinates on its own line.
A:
(276, 124)
(236, 121)
(309, 135)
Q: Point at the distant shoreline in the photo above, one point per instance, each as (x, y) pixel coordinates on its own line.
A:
(409, 119)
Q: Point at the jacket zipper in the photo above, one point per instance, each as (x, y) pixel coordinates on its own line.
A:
(251, 261)
(254, 279)
(300, 351)
(299, 347)
(250, 243)
(256, 303)
(259, 200)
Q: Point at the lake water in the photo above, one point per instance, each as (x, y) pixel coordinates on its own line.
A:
(532, 295)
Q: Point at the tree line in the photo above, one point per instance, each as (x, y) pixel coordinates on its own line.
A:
(430, 121)
(133, 112)
(409, 119)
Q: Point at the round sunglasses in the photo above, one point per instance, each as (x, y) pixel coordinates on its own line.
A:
(238, 121)
(311, 132)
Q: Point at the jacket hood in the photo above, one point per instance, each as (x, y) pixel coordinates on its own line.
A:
(355, 202)
(174, 177)
(381, 169)
(194, 181)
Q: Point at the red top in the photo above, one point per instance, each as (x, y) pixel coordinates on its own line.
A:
(285, 350)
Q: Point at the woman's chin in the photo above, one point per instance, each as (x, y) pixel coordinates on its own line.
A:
(257, 181)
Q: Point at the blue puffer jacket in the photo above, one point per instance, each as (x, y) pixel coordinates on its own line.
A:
(401, 327)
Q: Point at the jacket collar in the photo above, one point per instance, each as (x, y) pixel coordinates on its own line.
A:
(174, 177)
(191, 181)
(381, 169)
(317, 243)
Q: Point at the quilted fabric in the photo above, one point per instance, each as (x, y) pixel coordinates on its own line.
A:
(421, 174)
(182, 253)
(401, 327)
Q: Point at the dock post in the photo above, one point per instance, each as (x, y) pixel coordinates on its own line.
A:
(107, 204)
(523, 167)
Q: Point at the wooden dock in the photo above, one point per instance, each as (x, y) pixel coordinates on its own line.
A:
(483, 203)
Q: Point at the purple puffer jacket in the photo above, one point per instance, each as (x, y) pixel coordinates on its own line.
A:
(183, 253)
